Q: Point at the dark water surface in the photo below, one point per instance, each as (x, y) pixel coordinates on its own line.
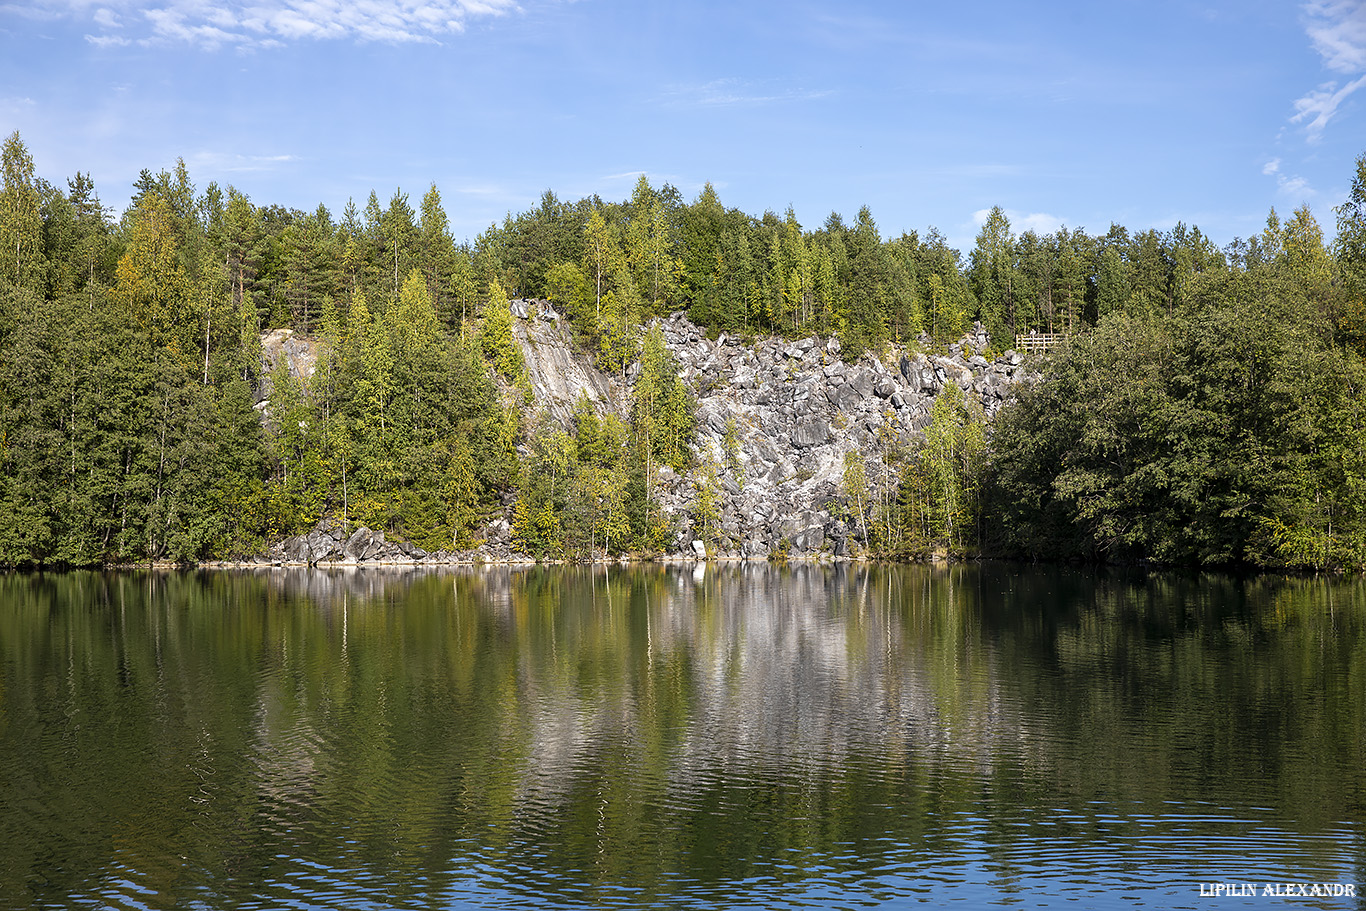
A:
(741, 737)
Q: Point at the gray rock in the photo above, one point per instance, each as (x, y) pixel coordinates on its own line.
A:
(811, 432)
(796, 411)
(845, 397)
(861, 381)
(355, 546)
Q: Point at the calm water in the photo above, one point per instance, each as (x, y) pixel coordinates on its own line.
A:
(679, 738)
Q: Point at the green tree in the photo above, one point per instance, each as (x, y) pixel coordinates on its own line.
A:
(662, 409)
(648, 245)
(707, 506)
(854, 482)
(603, 258)
(952, 457)
(1349, 252)
(496, 334)
(20, 223)
(991, 275)
(437, 255)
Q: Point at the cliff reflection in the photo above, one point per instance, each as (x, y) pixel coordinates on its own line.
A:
(569, 731)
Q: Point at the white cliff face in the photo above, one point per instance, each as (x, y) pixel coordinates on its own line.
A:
(794, 408)
(298, 354)
(558, 373)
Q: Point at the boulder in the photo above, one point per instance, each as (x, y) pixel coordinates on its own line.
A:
(844, 397)
(861, 381)
(812, 431)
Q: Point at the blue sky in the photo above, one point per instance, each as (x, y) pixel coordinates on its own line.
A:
(1140, 113)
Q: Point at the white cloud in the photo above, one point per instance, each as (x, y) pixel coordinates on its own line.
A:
(212, 24)
(229, 162)
(13, 104)
(107, 40)
(730, 92)
(1337, 30)
(1038, 222)
(1319, 106)
(1290, 185)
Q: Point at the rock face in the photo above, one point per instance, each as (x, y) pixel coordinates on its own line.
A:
(298, 354)
(795, 409)
(792, 410)
(557, 372)
(330, 543)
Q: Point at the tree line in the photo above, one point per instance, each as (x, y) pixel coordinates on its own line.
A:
(130, 350)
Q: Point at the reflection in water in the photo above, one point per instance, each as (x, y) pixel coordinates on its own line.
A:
(734, 736)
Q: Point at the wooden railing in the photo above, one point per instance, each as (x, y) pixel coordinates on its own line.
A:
(1039, 342)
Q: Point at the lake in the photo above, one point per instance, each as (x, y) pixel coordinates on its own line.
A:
(681, 737)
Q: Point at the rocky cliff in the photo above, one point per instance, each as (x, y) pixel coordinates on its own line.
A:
(797, 408)
(792, 410)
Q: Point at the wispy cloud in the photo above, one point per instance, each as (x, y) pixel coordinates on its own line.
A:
(213, 24)
(979, 170)
(1318, 107)
(1038, 222)
(736, 92)
(1291, 185)
(228, 162)
(1337, 30)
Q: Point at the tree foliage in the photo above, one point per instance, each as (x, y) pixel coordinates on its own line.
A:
(1207, 410)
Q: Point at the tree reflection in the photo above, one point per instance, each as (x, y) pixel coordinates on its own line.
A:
(594, 733)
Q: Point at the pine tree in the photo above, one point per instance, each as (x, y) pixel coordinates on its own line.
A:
(991, 276)
(437, 255)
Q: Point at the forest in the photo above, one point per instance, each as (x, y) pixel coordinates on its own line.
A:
(1209, 407)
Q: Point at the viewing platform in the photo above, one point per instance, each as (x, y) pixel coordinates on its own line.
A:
(1039, 342)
